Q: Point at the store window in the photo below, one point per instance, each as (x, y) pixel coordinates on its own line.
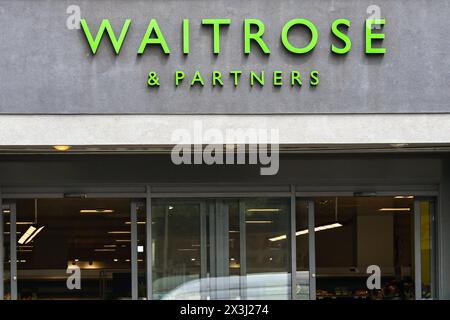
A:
(354, 233)
(88, 239)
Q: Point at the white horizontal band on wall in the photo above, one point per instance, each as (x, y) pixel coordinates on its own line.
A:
(33, 130)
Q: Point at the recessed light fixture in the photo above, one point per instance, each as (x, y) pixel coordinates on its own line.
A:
(61, 148)
(96, 211)
(259, 221)
(115, 260)
(139, 222)
(264, 210)
(394, 209)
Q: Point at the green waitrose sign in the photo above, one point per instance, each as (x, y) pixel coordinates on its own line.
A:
(253, 33)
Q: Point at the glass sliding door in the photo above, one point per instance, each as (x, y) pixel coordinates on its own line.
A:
(221, 248)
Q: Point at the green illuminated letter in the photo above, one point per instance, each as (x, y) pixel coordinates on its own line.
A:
(340, 35)
(259, 79)
(374, 36)
(105, 25)
(216, 23)
(197, 79)
(217, 78)
(295, 78)
(248, 36)
(153, 26)
(186, 36)
(314, 78)
(314, 36)
(277, 78)
(236, 74)
(179, 76)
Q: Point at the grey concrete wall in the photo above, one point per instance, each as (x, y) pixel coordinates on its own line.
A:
(47, 68)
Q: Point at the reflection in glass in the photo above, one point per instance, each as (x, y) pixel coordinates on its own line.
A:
(425, 248)
(89, 235)
(302, 245)
(176, 249)
(353, 233)
(267, 248)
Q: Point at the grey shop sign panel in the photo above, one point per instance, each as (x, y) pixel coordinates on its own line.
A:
(47, 67)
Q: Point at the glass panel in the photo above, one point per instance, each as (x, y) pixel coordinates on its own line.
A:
(6, 258)
(73, 249)
(302, 256)
(353, 233)
(267, 248)
(425, 248)
(142, 250)
(176, 249)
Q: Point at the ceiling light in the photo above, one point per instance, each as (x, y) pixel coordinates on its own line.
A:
(110, 245)
(264, 210)
(6, 211)
(259, 221)
(115, 260)
(119, 232)
(301, 232)
(123, 240)
(34, 234)
(22, 222)
(404, 197)
(76, 260)
(139, 222)
(394, 209)
(61, 148)
(140, 248)
(104, 250)
(26, 235)
(233, 231)
(170, 207)
(96, 211)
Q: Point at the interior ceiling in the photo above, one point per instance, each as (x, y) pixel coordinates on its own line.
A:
(284, 148)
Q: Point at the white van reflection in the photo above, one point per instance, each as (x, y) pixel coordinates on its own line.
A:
(269, 286)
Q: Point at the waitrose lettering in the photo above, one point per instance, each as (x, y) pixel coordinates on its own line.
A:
(253, 39)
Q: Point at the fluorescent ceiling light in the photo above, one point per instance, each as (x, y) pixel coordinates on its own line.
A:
(233, 231)
(22, 222)
(259, 221)
(115, 260)
(119, 232)
(34, 235)
(299, 233)
(139, 222)
(394, 209)
(404, 197)
(187, 249)
(264, 210)
(96, 211)
(6, 211)
(123, 240)
(104, 250)
(110, 245)
(26, 235)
